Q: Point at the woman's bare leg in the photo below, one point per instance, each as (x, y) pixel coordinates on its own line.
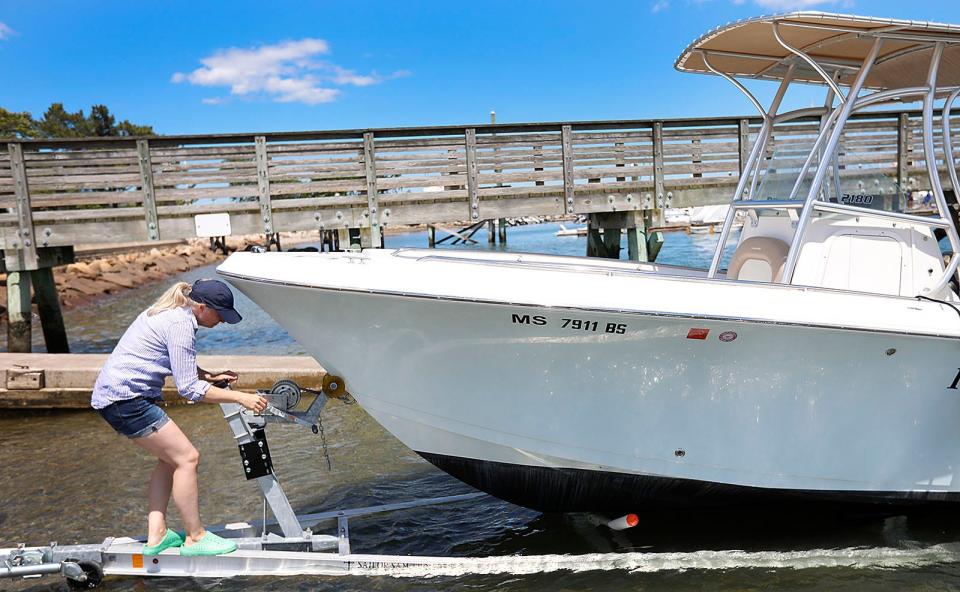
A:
(170, 445)
(158, 498)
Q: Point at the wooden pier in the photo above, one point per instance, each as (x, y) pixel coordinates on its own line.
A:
(51, 381)
(622, 174)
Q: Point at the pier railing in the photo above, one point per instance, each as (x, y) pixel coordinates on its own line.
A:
(64, 192)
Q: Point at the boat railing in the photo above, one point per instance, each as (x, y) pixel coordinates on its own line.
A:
(839, 208)
(846, 109)
(931, 158)
(767, 204)
(750, 166)
(951, 167)
(823, 155)
(811, 62)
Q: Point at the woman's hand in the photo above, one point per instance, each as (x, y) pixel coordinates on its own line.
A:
(252, 401)
(228, 376)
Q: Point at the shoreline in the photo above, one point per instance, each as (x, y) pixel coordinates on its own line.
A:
(100, 274)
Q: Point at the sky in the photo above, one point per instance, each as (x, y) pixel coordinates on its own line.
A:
(255, 66)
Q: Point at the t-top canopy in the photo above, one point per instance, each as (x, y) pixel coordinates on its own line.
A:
(837, 42)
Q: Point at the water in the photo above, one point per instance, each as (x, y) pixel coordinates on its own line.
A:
(68, 477)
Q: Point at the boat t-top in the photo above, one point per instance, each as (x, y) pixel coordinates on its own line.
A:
(814, 362)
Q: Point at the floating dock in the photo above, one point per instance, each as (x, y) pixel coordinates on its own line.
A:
(65, 381)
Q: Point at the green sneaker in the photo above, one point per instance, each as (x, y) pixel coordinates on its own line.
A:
(210, 544)
(170, 539)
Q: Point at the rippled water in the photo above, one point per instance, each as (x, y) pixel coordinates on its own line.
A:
(67, 477)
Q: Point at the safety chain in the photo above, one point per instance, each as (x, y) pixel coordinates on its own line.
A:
(323, 441)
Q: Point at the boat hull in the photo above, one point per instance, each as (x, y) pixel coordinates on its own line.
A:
(552, 489)
(570, 410)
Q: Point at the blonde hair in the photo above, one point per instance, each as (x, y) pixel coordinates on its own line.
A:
(177, 296)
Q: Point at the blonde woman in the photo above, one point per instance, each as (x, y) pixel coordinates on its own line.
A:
(161, 342)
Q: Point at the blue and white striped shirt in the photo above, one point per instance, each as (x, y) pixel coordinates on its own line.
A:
(151, 349)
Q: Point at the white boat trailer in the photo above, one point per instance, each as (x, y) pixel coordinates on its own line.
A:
(295, 550)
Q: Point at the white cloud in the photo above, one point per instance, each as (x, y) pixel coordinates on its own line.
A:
(287, 72)
(300, 90)
(6, 32)
(344, 76)
(659, 5)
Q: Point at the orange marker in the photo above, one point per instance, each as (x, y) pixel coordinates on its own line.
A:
(624, 522)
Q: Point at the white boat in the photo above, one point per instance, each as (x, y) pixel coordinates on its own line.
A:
(576, 231)
(709, 219)
(818, 365)
(677, 216)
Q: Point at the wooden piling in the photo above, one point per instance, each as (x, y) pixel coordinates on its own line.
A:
(19, 333)
(636, 244)
(491, 232)
(595, 247)
(607, 244)
(503, 231)
(611, 243)
(19, 281)
(48, 307)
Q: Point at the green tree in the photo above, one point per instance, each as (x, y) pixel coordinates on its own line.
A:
(17, 125)
(125, 128)
(57, 122)
(101, 122)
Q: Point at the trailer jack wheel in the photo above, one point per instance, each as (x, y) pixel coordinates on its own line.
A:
(91, 577)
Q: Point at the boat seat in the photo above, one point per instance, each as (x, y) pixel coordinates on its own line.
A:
(758, 259)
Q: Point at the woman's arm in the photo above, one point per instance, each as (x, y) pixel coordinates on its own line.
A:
(228, 375)
(251, 401)
(181, 347)
(183, 364)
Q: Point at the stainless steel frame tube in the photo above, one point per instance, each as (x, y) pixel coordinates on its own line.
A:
(758, 148)
(805, 214)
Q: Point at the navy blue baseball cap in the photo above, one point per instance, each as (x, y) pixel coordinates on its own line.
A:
(216, 295)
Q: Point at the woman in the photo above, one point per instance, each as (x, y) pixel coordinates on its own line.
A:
(161, 342)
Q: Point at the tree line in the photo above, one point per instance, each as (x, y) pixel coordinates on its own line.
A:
(57, 122)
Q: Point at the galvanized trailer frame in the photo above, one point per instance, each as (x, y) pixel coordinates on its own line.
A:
(296, 550)
(84, 566)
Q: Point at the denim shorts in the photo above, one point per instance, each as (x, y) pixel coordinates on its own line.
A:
(135, 418)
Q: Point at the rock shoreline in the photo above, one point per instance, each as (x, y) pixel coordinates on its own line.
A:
(84, 281)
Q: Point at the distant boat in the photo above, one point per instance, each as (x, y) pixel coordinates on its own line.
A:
(677, 217)
(564, 231)
(709, 219)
